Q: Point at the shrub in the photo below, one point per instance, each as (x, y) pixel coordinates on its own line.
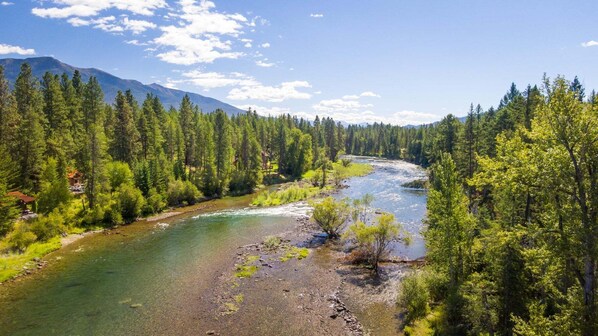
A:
(414, 296)
(331, 215)
(374, 240)
(182, 192)
(20, 237)
(49, 226)
(346, 162)
(154, 202)
(129, 201)
(272, 242)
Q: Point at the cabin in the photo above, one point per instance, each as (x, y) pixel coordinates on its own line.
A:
(75, 178)
(75, 181)
(22, 200)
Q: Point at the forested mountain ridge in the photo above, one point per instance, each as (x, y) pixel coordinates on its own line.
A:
(112, 84)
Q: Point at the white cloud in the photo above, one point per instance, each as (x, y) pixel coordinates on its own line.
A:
(591, 43)
(369, 94)
(10, 49)
(267, 111)
(247, 45)
(211, 80)
(6, 3)
(285, 91)
(88, 8)
(136, 43)
(316, 15)
(345, 104)
(197, 37)
(264, 63)
(137, 26)
(265, 45)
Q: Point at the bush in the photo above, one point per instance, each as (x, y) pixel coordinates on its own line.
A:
(20, 237)
(106, 211)
(182, 192)
(374, 240)
(272, 242)
(331, 215)
(154, 202)
(346, 162)
(46, 227)
(414, 296)
(129, 201)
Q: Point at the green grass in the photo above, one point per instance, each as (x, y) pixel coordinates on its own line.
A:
(13, 263)
(239, 298)
(354, 169)
(295, 252)
(246, 270)
(292, 193)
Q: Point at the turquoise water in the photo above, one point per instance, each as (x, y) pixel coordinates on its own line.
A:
(89, 286)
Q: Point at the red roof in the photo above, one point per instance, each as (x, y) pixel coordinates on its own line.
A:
(74, 174)
(21, 196)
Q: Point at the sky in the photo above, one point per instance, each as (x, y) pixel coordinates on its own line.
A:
(392, 61)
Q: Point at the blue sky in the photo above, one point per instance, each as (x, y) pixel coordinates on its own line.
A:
(404, 62)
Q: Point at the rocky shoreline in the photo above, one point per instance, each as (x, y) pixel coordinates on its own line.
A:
(323, 293)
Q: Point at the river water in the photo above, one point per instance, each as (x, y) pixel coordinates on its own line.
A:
(89, 286)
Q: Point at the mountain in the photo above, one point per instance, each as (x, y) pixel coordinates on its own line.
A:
(112, 84)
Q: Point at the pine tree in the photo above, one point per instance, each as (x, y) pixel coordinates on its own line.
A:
(223, 151)
(96, 143)
(124, 145)
(9, 118)
(58, 127)
(31, 141)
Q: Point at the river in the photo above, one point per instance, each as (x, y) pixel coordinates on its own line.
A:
(90, 286)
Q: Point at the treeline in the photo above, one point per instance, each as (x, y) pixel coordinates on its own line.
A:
(512, 218)
(135, 158)
(423, 145)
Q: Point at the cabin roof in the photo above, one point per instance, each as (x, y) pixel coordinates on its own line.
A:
(24, 198)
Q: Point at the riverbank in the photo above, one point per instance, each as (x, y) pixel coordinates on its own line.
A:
(14, 265)
(215, 270)
(270, 288)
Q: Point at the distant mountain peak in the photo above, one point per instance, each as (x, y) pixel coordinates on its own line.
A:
(111, 84)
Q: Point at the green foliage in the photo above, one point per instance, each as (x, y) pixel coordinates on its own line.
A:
(12, 264)
(414, 296)
(20, 237)
(295, 252)
(331, 215)
(182, 192)
(272, 242)
(54, 188)
(47, 227)
(129, 202)
(293, 193)
(154, 202)
(118, 173)
(374, 240)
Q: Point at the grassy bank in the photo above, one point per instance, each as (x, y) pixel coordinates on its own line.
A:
(312, 184)
(14, 263)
